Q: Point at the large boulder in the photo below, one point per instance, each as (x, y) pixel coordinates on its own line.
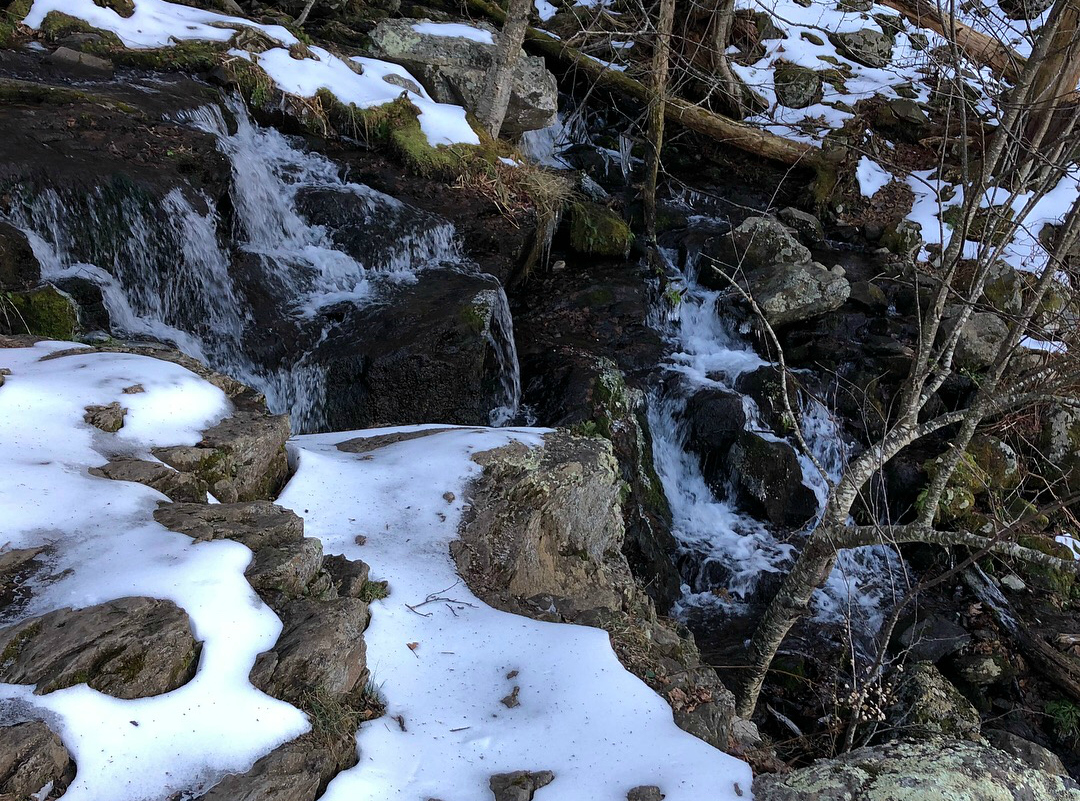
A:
(129, 648)
(927, 704)
(791, 293)
(714, 418)
(763, 242)
(769, 480)
(906, 771)
(980, 339)
(868, 47)
(796, 87)
(256, 524)
(453, 69)
(31, 758)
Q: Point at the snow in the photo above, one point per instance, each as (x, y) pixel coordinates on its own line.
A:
(455, 29)
(581, 715)
(106, 545)
(1071, 542)
(871, 177)
(545, 10)
(1052, 346)
(157, 23)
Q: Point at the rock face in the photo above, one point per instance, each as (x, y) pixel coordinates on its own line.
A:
(714, 419)
(453, 70)
(129, 648)
(31, 757)
(19, 268)
(904, 771)
(173, 484)
(296, 771)
(543, 537)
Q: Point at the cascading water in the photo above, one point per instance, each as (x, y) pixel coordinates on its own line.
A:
(254, 302)
(725, 551)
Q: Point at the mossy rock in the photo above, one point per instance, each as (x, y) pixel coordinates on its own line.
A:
(598, 231)
(1060, 582)
(992, 223)
(10, 18)
(997, 461)
(56, 25)
(44, 311)
(125, 8)
(796, 86)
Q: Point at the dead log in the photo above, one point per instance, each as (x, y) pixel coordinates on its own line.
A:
(723, 129)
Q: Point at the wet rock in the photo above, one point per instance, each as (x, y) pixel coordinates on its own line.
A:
(432, 351)
(19, 268)
(714, 419)
(176, 486)
(764, 242)
(109, 418)
(521, 785)
(791, 293)
(43, 311)
(321, 649)
(805, 224)
(242, 458)
(128, 648)
(454, 69)
(927, 704)
(90, 303)
(596, 230)
(765, 387)
(77, 63)
(31, 757)
(256, 524)
(1027, 752)
(647, 792)
(296, 771)
(768, 480)
(868, 47)
(899, 771)
(17, 566)
(796, 87)
(932, 639)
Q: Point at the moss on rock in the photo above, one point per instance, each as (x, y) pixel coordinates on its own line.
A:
(44, 312)
(598, 231)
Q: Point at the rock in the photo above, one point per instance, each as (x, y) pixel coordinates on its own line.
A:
(77, 62)
(903, 118)
(805, 224)
(765, 388)
(868, 47)
(19, 268)
(1004, 290)
(31, 757)
(285, 571)
(714, 419)
(1026, 751)
(43, 311)
(176, 486)
(1014, 583)
(521, 785)
(980, 339)
(982, 670)
(436, 349)
(927, 704)
(647, 792)
(561, 542)
(109, 419)
(796, 87)
(90, 303)
(598, 231)
(906, 771)
(764, 242)
(349, 576)
(790, 293)
(242, 458)
(1024, 9)
(903, 238)
(768, 480)
(256, 524)
(932, 639)
(296, 771)
(453, 69)
(321, 649)
(869, 295)
(128, 648)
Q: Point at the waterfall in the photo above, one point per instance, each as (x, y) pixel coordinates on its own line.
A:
(251, 292)
(725, 552)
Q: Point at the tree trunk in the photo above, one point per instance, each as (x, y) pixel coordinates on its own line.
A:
(1054, 84)
(656, 113)
(744, 137)
(500, 77)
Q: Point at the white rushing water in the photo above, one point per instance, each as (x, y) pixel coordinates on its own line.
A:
(726, 551)
(169, 270)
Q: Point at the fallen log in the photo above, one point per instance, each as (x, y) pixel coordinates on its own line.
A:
(723, 129)
(1002, 60)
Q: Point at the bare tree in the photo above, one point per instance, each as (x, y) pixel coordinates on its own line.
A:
(656, 112)
(1021, 167)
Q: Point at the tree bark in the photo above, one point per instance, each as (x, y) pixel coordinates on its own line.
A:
(1054, 84)
(656, 113)
(500, 77)
(744, 137)
(979, 47)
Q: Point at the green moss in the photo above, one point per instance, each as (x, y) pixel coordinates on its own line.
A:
(131, 668)
(187, 56)
(993, 224)
(474, 318)
(44, 312)
(18, 642)
(125, 8)
(10, 19)
(1057, 581)
(57, 25)
(598, 231)
(374, 591)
